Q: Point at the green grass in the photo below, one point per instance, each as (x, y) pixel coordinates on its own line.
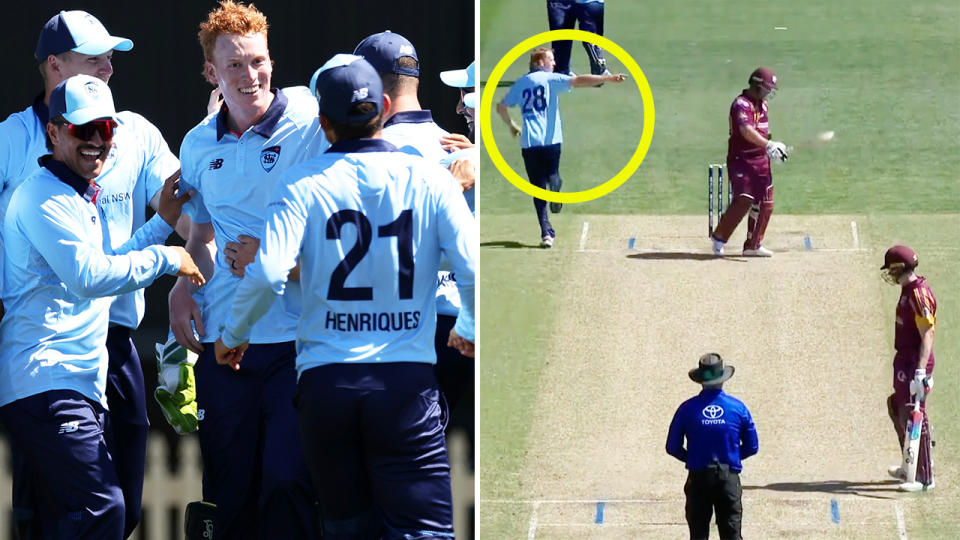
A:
(884, 75)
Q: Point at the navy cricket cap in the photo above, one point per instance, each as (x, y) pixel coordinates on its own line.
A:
(344, 81)
(81, 99)
(383, 51)
(77, 31)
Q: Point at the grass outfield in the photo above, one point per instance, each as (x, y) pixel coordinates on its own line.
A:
(884, 76)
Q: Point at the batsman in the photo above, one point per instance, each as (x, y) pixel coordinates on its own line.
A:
(749, 153)
(916, 319)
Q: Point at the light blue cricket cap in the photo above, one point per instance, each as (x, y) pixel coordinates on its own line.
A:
(81, 99)
(77, 31)
(460, 78)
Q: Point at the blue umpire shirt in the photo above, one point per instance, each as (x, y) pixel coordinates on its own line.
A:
(369, 224)
(715, 425)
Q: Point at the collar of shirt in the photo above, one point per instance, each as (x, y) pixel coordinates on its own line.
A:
(268, 122)
(410, 117)
(351, 146)
(711, 393)
(40, 109)
(85, 188)
(746, 93)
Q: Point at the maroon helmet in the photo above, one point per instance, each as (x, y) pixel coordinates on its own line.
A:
(897, 261)
(763, 77)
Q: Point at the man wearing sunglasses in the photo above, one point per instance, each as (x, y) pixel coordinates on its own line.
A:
(60, 279)
(136, 165)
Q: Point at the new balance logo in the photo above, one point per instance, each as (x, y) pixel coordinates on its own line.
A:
(215, 164)
(69, 427)
(362, 93)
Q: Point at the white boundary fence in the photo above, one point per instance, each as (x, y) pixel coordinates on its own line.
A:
(166, 493)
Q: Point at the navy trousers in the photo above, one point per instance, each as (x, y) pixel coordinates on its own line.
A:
(58, 438)
(253, 466)
(373, 436)
(126, 438)
(564, 15)
(542, 164)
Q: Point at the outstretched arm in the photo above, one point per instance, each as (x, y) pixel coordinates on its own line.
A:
(581, 81)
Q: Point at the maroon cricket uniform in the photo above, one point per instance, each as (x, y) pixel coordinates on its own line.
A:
(917, 308)
(748, 164)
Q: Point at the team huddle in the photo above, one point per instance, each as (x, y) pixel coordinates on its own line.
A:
(327, 283)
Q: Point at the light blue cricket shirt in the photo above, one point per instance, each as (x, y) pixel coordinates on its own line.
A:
(369, 224)
(58, 279)
(234, 177)
(132, 174)
(536, 93)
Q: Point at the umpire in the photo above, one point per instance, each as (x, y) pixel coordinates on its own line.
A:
(719, 433)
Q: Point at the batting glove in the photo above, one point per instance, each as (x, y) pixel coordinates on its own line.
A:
(921, 385)
(777, 151)
(176, 392)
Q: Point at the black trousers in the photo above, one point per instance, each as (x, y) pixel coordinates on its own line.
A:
(716, 487)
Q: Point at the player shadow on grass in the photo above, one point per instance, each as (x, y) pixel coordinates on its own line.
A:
(878, 490)
(510, 244)
(680, 255)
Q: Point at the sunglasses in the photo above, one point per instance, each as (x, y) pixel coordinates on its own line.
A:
(85, 132)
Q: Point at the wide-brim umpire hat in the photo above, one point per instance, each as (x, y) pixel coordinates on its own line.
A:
(77, 31)
(710, 370)
(82, 98)
(384, 51)
(344, 81)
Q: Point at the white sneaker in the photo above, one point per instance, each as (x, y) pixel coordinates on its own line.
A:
(759, 252)
(897, 472)
(913, 487)
(546, 242)
(717, 247)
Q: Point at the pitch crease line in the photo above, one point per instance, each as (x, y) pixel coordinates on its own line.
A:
(532, 529)
(856, 236)
(901, 523)
(583, 235)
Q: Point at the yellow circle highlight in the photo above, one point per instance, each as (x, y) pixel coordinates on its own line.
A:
(486, 111)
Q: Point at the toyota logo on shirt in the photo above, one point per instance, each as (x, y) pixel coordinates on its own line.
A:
(712, 414)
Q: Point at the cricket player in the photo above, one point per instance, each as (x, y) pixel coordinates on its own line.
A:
(58, 280)
(563, 15)
(466, 81)
(916, 321)
(369, 224)
(71, 43)
(408, 126)
(253, 466)
(749, 152)
(537, 94)
(719, 434)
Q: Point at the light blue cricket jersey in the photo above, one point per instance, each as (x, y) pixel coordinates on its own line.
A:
(234, 178)
(588, 1)
(536, 94)
(22, 142)
(448, 296)
(132, 174)
(57, 281)
(369, 224)
(416, 131)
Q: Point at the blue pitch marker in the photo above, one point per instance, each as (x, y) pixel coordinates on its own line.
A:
(834, 511)
(599, 518)
(806, 242)
(631, 242)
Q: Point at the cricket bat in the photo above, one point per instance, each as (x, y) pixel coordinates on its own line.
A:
(911, 442)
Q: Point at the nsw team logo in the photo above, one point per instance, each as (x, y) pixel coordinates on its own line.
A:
(269, 157)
